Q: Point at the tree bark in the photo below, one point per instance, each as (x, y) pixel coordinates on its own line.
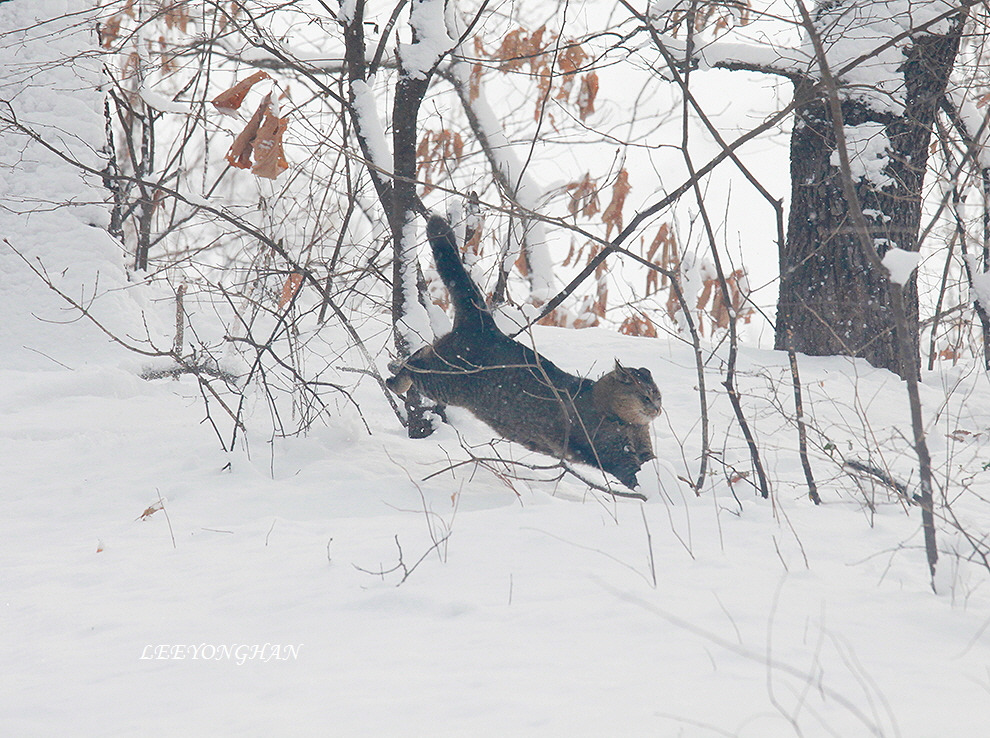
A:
(831, 301)
(397, 193)
(409, 93)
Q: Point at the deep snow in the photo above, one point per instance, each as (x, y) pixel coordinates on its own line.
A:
(537, 616)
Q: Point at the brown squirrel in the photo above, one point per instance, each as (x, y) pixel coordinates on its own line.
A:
(522, 395)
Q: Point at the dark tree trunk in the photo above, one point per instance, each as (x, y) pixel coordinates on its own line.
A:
(831, 300)
(399, 201)
(409, 93)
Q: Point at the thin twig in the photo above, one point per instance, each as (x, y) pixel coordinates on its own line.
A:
(649, 545)
(799, 418)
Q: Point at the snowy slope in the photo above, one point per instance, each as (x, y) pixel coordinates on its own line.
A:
(549, 609)
(52, 213)
(537, 616)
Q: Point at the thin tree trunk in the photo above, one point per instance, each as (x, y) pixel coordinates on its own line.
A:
(396, 190)
(409, 94)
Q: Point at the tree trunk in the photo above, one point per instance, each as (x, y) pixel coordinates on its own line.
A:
(831, 301)
(397, 194)
(406, 291)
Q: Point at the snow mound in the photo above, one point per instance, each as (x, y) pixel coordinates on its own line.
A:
(54, 213)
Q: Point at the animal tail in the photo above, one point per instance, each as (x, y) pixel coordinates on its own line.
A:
(470, 310)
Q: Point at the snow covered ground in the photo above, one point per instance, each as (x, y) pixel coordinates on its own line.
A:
(254, 603)
(538, 615)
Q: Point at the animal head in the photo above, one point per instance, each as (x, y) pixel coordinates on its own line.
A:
(640, 395)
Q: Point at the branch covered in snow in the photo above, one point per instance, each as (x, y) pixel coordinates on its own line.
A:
(766, 57)
(737, 56)
(430, 40)
(972, 120)
(900, 264)
(865, 44)
(369, 125)
(513, 180)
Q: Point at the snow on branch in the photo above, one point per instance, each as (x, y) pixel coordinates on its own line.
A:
(430, 40)
(370, 126)
(766, 57)
(867, 147)
(979, 281)
(512, 177)
(414, 323)
(865, 45)
(973, 116)
(900, 264)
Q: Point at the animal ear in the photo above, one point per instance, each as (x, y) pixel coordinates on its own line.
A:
(624, 374)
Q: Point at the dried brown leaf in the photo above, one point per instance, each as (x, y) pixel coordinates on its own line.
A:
(587, 95)
(151, 510)
(109, 31)
(240, 151)
(290, 288)
(229, 101)
(438, 151)
(569, 62)
(612, 217)
(584, 196)
(638, 325)
(269, 156)
(177, 16)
